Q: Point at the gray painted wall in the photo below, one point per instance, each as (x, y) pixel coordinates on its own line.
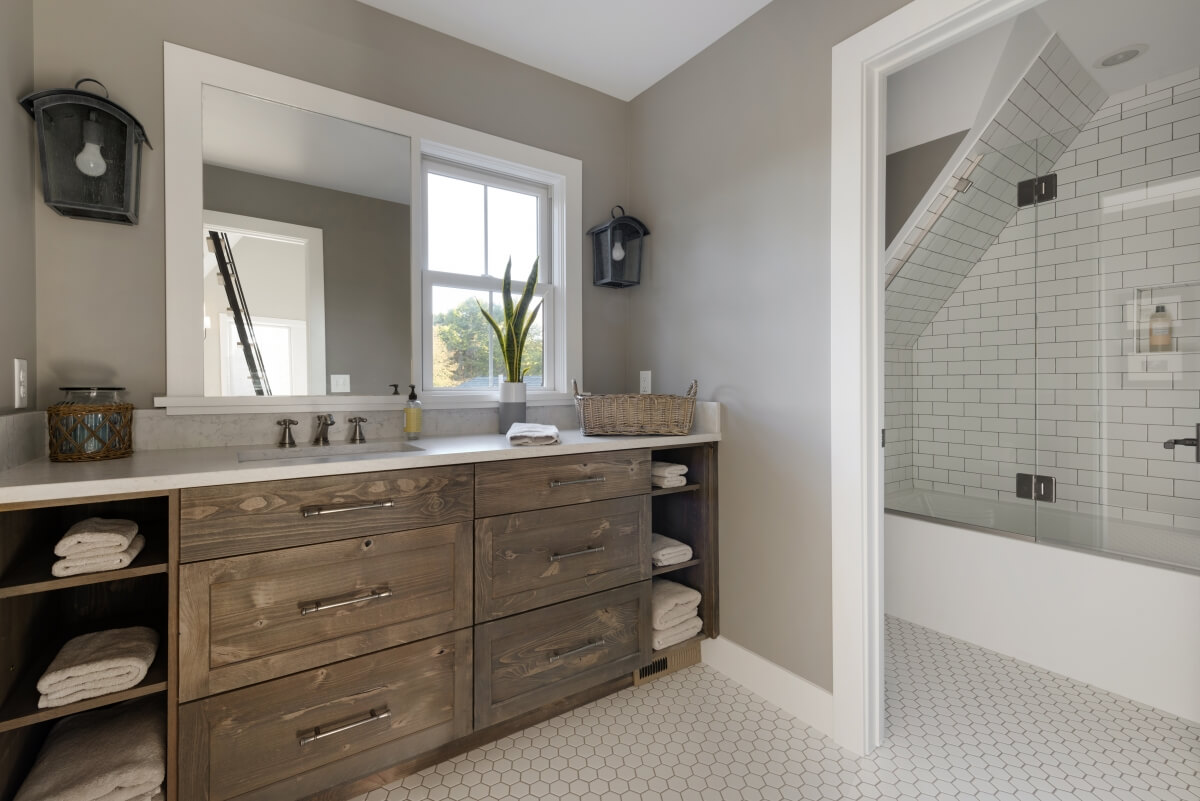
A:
(730, 168)
(344, 44)
(910, 173)
(367, 289)
(17, 324)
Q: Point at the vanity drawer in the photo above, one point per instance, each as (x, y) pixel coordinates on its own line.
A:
(515, 486)
(246, 619)
(532, 559)
(528, 660)
(298, 735)
(248, 518)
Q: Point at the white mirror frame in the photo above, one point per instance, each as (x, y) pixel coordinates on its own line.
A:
(185, 74)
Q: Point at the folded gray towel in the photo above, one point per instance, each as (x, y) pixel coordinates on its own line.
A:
(118, 753)
(95, 562)
(671, 603)
(678, 633)
(96, 535)
(97, 664)
(666, 551)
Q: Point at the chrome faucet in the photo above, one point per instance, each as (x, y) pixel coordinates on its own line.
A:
(356, 436)
(324, 421)
(286, 440)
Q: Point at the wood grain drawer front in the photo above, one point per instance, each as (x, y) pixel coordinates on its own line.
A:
(287, 738)
(246, 619)
(249, 518)
(505, 487)
(533, 559)
(526, 661)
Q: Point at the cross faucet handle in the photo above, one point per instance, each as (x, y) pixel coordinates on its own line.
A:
(286, 440)
(357, 435)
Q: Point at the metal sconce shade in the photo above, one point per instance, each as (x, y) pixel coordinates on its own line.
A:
(617, 247)
(91, 154)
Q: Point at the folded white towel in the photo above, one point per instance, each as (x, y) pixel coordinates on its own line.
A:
(118, 753)
(678, 633)
(96, 535)
(532, 434)
(666, 551)
(97, 664)
(668, 481)
(667, 469)
(671, 603)
(96, 562)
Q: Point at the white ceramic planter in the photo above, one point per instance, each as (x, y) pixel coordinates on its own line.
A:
(512, 404)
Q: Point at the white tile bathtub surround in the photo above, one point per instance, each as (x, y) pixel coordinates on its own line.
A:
(1053, 101)
(989, 401)
(23, 438)
(154, 429)
(962, 722)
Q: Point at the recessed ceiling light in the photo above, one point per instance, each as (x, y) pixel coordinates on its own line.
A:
(1125, 54)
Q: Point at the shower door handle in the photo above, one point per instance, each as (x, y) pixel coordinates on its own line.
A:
(1191, 442)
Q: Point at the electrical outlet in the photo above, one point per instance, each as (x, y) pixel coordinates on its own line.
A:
(644, 383)
(339, 382)
(20, 383)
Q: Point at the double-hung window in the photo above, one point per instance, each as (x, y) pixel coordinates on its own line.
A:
(475, 222)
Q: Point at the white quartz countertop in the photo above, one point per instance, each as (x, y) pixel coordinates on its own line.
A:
(150, 470)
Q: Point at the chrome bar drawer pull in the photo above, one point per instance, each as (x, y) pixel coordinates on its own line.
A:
(318, 606)
(320, 732)
(313, 511)
(594, 644)
(555, 484)
(554, 557)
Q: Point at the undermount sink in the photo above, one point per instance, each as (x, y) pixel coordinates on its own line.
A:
(316, 454)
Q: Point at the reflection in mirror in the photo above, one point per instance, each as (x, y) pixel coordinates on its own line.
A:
(305, 247)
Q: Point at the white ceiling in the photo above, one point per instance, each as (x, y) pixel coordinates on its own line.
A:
(619, 47)
(250, 134)
(1093, 29)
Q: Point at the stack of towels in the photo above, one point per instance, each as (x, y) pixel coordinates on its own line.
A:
(666, 551)
(118, 753)
(674, 613)
(668, 474)
(97, 544)
(97, 664)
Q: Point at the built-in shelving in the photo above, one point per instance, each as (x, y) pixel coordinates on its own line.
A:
(21, 708)
(672, 490)
(33, 575)
(658, 571)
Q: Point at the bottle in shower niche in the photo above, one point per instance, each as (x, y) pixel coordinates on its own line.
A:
(412, 414)
(1160, 330)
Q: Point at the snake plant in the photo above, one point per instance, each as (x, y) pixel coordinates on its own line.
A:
(517, 322)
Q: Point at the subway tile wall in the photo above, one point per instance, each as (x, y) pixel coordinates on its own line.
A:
(993, 393)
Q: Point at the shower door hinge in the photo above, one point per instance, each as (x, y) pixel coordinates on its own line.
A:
(1037, 190)
(883, 437)
(1035, 488)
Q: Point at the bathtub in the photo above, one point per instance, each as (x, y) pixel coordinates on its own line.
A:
(1123, 539)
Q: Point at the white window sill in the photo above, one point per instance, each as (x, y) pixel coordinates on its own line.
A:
(347, 403)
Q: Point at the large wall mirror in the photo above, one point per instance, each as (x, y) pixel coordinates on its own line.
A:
(305, 250)
(295, 241)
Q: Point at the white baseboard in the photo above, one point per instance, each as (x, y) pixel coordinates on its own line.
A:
(797, 696)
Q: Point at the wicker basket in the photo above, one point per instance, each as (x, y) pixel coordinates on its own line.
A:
(636, 414)
(83, 432)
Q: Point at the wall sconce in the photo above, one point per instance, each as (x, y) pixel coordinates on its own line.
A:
(91, 154)
(617, 250)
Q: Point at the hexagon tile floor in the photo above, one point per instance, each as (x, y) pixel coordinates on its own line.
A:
(963, 723)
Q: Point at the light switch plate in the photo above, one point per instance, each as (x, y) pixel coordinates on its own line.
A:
(339, 383)
(20, 383)
(644, 383)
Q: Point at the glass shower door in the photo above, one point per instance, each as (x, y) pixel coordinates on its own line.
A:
(1118, 350)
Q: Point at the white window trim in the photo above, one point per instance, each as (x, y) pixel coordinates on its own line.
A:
(551, 292)
(185, 74)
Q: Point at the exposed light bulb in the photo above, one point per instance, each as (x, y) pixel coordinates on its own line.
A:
(89, 160)
(618, 251)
